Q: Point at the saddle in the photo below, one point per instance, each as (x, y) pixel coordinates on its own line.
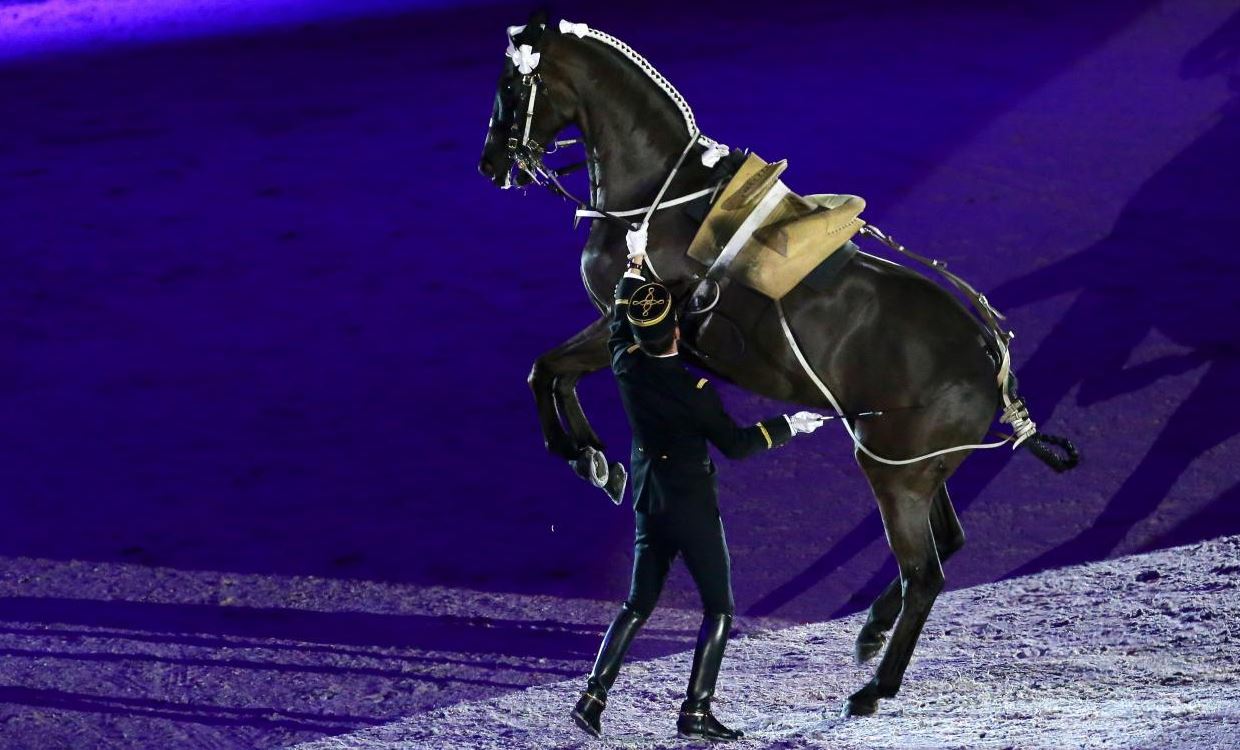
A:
(759, 241)
(767, 237)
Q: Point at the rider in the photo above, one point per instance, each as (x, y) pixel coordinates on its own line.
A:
(672, 415)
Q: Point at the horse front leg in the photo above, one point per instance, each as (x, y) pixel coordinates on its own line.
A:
(591, 464)
(553, 381)
(569, 406)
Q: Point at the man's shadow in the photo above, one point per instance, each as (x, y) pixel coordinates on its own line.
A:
(1169, 266)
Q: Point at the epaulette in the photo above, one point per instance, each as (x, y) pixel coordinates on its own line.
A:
(701, 383)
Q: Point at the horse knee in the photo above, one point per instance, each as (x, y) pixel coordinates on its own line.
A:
(541, 376)
(564, 385)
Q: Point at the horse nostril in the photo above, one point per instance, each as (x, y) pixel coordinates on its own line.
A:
(485, 168)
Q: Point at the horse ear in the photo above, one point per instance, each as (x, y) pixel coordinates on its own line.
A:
(539, 17)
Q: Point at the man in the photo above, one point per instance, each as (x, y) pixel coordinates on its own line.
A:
(672, 415)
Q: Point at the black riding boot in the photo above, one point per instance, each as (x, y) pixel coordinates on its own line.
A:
(589, 709)
(696, 721)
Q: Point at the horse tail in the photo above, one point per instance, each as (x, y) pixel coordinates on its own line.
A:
(1043, 446)
(1057, 452)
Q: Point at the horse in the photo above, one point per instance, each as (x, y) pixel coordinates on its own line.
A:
(883, 335)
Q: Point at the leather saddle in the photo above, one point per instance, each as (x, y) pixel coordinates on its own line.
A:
(767, 237)
(758, 242)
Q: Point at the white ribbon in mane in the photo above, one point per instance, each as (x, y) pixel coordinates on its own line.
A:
(524, 58)
(568, 27)
(712, 155)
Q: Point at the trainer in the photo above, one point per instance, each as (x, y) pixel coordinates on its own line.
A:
(673, 414)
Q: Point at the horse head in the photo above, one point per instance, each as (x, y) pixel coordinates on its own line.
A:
(533, 102)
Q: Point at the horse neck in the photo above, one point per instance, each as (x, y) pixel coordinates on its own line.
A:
(633, 132)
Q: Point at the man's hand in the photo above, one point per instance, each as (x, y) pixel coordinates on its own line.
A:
(636, 242)
(805, 421)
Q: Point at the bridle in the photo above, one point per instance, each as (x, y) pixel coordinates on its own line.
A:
(526, 155)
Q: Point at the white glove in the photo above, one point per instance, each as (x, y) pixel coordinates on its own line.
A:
(804, 421)
(636, 241)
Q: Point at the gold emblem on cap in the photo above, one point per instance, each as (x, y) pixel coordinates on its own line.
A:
(646, 304)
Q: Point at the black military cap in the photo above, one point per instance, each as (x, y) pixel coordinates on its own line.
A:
(650, 312)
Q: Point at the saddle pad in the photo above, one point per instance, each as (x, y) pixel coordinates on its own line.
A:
(767, 237)
(825, 272)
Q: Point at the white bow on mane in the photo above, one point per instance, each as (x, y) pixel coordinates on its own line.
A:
(568, 27)
(524, 58)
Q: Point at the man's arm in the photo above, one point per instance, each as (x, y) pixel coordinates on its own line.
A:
(736, 441)
(621, 333)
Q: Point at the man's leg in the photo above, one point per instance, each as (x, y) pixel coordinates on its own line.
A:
(706, 554)
(652, 559)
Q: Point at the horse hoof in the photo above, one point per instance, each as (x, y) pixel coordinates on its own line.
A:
(863, 702)
(591, 465)
(617, 478)
(859, 707)
(868, 646)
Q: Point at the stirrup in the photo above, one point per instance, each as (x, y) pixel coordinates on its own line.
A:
(704, 297)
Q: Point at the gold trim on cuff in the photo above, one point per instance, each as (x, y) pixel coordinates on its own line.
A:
(766, 435)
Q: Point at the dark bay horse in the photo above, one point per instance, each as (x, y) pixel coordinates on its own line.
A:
(884, 336)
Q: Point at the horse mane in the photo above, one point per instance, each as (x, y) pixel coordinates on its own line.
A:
(644, 66)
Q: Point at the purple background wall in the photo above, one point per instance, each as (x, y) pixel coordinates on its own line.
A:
(256, 303)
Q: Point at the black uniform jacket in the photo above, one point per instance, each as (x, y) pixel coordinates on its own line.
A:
(673, 414)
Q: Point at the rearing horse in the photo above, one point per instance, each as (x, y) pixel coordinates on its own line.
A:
(884, 335)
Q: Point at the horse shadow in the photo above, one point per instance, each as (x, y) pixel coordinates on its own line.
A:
(1168, 267)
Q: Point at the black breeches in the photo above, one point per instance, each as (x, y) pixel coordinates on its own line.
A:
(695, 533)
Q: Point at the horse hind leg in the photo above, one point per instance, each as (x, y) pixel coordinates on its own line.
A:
(948, 540)
(904, 501)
